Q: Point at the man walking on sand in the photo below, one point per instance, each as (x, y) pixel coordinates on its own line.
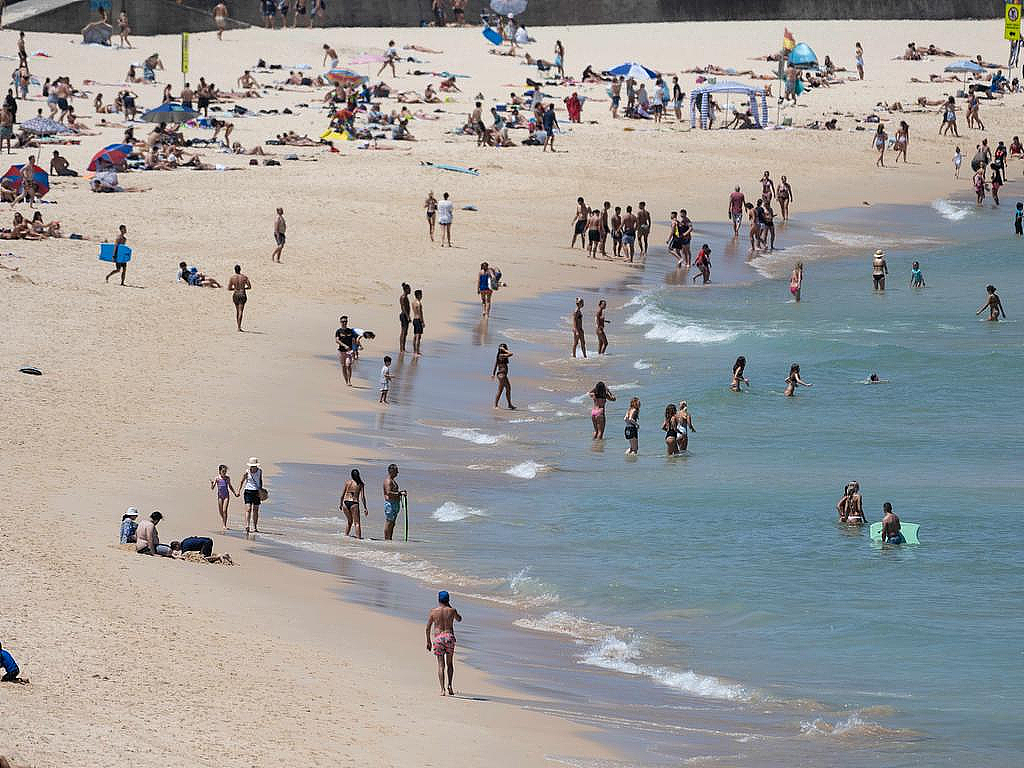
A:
(119, 266)
(392, 501)
(346, 339)
(441, 639)
(279, 236)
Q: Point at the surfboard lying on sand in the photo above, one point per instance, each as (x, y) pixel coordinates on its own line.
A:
(447, 167)
(909, 531)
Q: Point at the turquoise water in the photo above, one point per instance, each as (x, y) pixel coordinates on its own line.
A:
(712, 597)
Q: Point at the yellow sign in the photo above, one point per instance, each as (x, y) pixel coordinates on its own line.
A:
(1012, 28)
(184, 52)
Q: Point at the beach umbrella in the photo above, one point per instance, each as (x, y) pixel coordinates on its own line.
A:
(169, 113)
(113, 155)
(966, 66)
(41, 178)
(634, 70)
(802, 57)
(506, 7)
(346, 77)
(44, 126)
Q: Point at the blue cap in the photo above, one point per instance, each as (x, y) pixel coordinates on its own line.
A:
(442, 596)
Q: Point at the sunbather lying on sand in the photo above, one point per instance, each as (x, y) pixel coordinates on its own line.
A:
(238, 149)
(20, 230)
(449, 85)
(935, 79)
(987, 64)
(419, 48)
(924, 101)
(714, 69)
(408, 97)
(293, 139)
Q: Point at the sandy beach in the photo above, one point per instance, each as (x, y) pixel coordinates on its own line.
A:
(147, 388)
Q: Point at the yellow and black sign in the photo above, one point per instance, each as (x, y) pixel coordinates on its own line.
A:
(184, 48)
(1012, 29)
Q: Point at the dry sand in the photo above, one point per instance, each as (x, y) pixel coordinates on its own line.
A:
(146, 389)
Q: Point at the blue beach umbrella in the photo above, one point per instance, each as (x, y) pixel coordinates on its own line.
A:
(44, 126)
(971, 67)
(169, 113)
(802, 57)
(634, 70)
(39, 176)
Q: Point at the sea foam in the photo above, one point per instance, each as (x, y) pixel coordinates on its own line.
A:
(667, 328)
(472, 435)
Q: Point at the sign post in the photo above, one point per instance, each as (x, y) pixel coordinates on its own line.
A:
(1011, 30)
(184, 56)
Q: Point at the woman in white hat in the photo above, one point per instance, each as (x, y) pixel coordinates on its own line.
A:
(252, 490)
(129, 525)
(879, 269)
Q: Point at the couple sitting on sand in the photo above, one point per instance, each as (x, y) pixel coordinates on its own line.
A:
(147, 541)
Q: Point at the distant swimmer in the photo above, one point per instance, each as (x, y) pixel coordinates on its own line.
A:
(600, 394)
(737, 374)
(602, 321)
(794, 380)
(916, 278)
(874, 379)
(796, 280)
(891, 533)
(993, 304)
(441, 639)
(578, 339)
(500, 372)
(1018, 220)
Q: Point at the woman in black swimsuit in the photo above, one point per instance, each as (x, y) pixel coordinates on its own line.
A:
(353, 492)
(500, 371)
(669, 428)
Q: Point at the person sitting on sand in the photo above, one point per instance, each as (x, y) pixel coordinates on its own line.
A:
(12, 673)
(247, 82)
(147, 541)
(44, 230)
(238, 149)
(20, 230)
(911, 54)
(129, 525)
(430, 95)
(59, 166)
(449, 85)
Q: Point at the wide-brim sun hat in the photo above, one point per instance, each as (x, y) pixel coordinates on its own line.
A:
(253, 462)
(130, 512)
(879, 252)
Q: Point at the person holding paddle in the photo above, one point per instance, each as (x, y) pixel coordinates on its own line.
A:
(393, 497)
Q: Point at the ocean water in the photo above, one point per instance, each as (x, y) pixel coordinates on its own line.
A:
(708, 607)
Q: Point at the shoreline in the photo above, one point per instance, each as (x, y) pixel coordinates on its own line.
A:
(509, 639)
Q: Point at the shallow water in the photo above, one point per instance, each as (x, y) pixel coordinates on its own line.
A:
(712, 608)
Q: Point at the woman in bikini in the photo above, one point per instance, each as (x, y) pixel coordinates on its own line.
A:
(785, 194)
(238, 285)
(878, 142)
(222, 483)
(737, 374)
(684, 426)
(600, 395)
(767, 187)
(669, 428)
(352, 494)
(796, 280)
(431, 205)
(500, 371)
(794, 380)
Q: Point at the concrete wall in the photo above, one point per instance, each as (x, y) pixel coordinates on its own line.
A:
(167, 16)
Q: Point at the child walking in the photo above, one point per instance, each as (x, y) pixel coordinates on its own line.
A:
(222, 483)
(385, 379)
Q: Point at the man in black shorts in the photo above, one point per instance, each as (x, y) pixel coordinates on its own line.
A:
(346, 338)
(404, 314)
(418, 322)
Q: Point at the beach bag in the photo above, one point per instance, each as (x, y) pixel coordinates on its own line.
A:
(495, 280)
(264, 494)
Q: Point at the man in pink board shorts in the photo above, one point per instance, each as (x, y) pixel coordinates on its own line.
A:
(441, 639)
